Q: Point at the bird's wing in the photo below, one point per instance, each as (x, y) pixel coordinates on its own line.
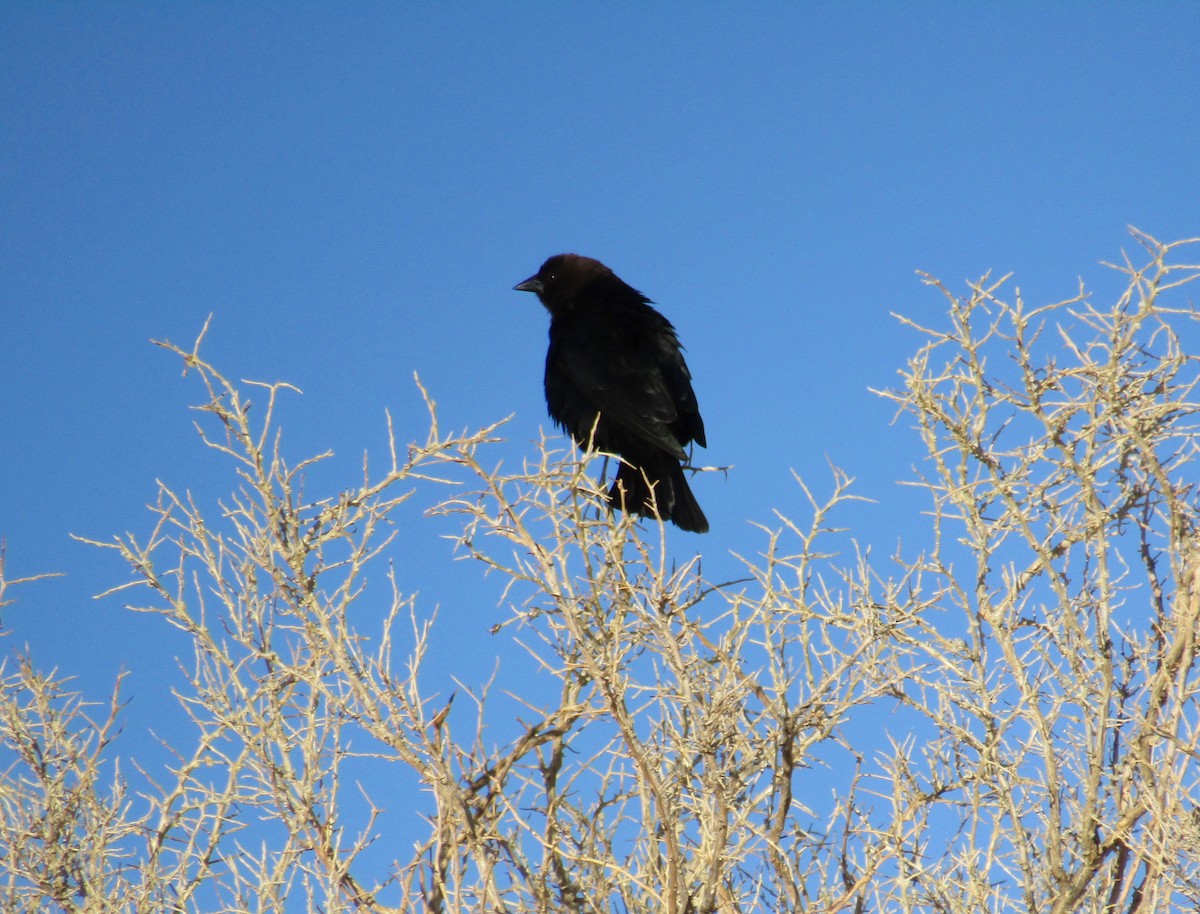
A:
(619, 369)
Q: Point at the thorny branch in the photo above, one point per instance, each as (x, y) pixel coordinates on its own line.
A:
(1005, 721)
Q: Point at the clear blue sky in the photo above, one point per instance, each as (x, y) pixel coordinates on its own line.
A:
(353, 189)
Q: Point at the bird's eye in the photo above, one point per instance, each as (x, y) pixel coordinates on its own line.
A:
(551, 277)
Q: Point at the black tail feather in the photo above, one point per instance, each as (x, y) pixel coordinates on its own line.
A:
(659, 483)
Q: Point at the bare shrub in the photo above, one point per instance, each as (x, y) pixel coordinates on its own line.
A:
(1006, 721)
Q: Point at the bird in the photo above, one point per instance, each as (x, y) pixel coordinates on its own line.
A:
(616, 381)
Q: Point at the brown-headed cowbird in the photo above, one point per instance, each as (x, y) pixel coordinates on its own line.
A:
(616, 380)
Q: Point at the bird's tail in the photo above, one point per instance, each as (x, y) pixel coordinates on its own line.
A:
(658, 484)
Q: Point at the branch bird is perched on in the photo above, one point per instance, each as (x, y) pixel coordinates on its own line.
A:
(616, 379)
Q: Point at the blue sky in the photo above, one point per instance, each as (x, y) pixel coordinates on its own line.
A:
(353, 190)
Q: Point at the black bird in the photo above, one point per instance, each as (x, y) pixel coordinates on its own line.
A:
(616, 381)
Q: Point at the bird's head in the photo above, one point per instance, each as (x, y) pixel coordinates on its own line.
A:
(561, 280)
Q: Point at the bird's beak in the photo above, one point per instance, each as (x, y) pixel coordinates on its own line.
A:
(532, 284)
